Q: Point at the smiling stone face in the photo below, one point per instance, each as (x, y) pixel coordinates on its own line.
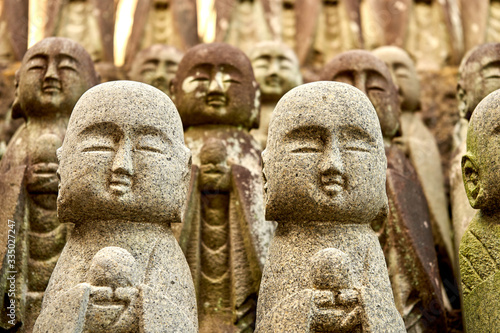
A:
(54, 73)
(123, 157)
(325, 158)
(215, 85)
(369, 74)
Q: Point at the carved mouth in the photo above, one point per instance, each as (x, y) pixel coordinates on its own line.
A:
(216, 100)
(120, 184)
(273, 81)
(51, 88)
(332, 184)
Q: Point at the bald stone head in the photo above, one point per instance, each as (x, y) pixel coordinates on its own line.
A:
(404, 75)
(215, 84)
(123, 157)
(481, 163)
(54, 73)
(156, 66)
(479, 75)
(276, 69)
(369, 74)
(325, 157)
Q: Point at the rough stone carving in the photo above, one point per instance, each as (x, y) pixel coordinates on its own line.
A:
(478, 76)
(53, 75)
(325, 270)
(156, 66)
(418, 142)
(171, 22)
(430, 30)
(224, 236)
(124, 173)
(480, 245)
(88, 22)
(277, 70)
(413, 267)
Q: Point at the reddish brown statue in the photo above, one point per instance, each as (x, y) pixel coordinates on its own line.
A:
(224, 235)
(89, 22)
(54, 74)
(406, 234)
(171, 22)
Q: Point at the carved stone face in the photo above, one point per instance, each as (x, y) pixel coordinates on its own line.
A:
(403, 74)
(481, 165)
(369, 74)
(123, 157)
(325, 157)
(479, 76)
(215, 85)
(54, 74)
(156, 66)
(276, 69)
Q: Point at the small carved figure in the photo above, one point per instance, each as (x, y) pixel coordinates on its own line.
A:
(324, 138)
(277, 70)
(418, 142)
(171, 22)
(413, 266)
(480, 246)
(54, 73)
(156, 66)
(224, 235)
(479, 75)
(124, 173)
(88, 22)
(430, 30)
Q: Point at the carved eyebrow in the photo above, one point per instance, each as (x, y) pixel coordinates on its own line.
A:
(151, 61)
(63, 56)
(38, 56)
(151, 130)
(308, 130)
(491, 64)
(376, 74)
(355, 132)
(105, 128)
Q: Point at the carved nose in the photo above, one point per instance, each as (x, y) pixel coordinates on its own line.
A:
(274, 68)
(216, 84)
(123, 163)
(51, 71)
(331, 162)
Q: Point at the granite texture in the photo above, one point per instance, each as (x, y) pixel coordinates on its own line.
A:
(156, 66)
(224, 234)
(406, 234)
(124, 173)
(480, 245)
(277, 70)
(324, 141)
(54, 73)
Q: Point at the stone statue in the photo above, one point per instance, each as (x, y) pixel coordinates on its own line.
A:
(88, 22)
(479, 76)
(7, 125)
(13, 30)
(243, 23)
(277, 70)
(325, 271)
(171, 22)
(430, 30)
(406, 234)
(156, 66)
(54, 73)
(124, 173)
(480, 245)
(481, 22)
(418, 142)
(224, 235)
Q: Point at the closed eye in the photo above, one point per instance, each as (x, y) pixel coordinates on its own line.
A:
(150, 149)
(98, 148)
(357, 148)
(305, 150)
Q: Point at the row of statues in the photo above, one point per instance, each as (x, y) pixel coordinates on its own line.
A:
(124, 175)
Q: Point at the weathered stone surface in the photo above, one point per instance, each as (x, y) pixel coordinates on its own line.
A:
(478, 78)
(419, 144)
(413, 272)
(277, 70)
(156, 66)
(324, 139)
(171, 22)
(124, 173)
(480, 245)
(53, 75)
(89, 22)
(224, 235)
(8, 126)
(429, 30)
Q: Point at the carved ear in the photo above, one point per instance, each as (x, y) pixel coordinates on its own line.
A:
(470, 174)
(171, 87)
(462, 101)
(264, 177)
